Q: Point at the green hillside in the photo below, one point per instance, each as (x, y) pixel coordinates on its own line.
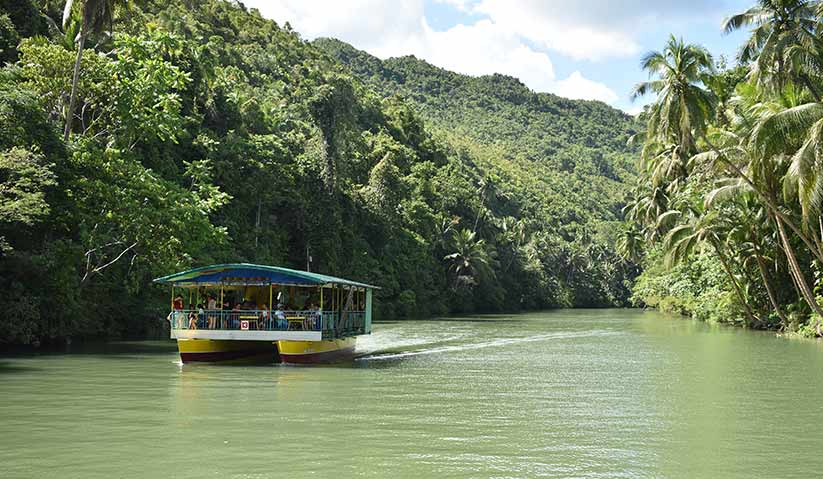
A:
(571, 155)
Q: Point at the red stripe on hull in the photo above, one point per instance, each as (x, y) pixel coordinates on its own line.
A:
(315, 358)
(216, 356)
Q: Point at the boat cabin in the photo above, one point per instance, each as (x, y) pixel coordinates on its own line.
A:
(253, 302)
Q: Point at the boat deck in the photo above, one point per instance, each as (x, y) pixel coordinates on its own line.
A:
(261, 325)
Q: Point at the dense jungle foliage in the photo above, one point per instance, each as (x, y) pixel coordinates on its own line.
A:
(144, 137)
(726, 216)
(570, 155)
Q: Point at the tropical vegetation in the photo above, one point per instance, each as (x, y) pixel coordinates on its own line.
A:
(138, 138)
(726, 215)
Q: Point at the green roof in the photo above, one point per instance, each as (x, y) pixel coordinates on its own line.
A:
(246, 273)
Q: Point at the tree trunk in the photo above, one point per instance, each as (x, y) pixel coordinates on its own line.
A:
(820, 223)
(793, 264)
(761, 265)
(480, 209)
(738, 291)
(257, 223)
(75, 80)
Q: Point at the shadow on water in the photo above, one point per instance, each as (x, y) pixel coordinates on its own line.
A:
(108, 348)
(7, 368)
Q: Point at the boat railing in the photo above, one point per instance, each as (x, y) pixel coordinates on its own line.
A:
(329, 322)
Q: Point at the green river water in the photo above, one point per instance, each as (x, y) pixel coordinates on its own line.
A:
(570, 393)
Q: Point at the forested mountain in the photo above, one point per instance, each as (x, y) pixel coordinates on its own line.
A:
(199, 132)
(575, 150)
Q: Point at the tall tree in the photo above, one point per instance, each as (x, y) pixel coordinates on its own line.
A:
(783, 34)
(683, 239)
(470, 262)
(94, 16)
(682, 107)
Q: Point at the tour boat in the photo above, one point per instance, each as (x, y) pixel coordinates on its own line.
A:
(240, 311)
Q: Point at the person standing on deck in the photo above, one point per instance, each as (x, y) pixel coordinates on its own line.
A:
(177, 306)
(201, 315)
(264, 317)
(211, 306)
(281, 317)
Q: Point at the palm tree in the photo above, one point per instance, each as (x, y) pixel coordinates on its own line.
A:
(646, 209)
(630, 244)
(513, 235)
(754, 238)
(95, 16)
(764, 133)
(471, 260)
(782, 41)
(797, 131)
(767, 175)
(790, 133)
(682, 107)
(683, 239)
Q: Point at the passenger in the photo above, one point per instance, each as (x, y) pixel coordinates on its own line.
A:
(235, 316)
(201, 315)
(263, 322)
(177, 314)
(315, 316)
(211, 306)
(192, 317)
(282, 323)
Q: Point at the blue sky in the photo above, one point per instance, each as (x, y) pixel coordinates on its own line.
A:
(587, 49)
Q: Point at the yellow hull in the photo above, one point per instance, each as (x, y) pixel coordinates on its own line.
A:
(298, 352)
(215, 350)
(303, 352)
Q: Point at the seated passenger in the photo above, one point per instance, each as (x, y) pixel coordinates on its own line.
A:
(192, 317)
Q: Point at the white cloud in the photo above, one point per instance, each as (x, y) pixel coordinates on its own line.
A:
(596, 29)
(483, 49)
(634, 111)
(462, 5)
(387, 29)
(577, 86)
(547, 23)
(360, 22)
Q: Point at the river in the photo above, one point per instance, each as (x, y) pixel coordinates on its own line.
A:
(569, 393)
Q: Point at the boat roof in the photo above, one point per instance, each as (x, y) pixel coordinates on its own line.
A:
(253, 274)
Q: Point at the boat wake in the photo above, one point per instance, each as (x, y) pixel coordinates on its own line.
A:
(382, 356)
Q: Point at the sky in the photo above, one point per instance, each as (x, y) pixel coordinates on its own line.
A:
(586, 49)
